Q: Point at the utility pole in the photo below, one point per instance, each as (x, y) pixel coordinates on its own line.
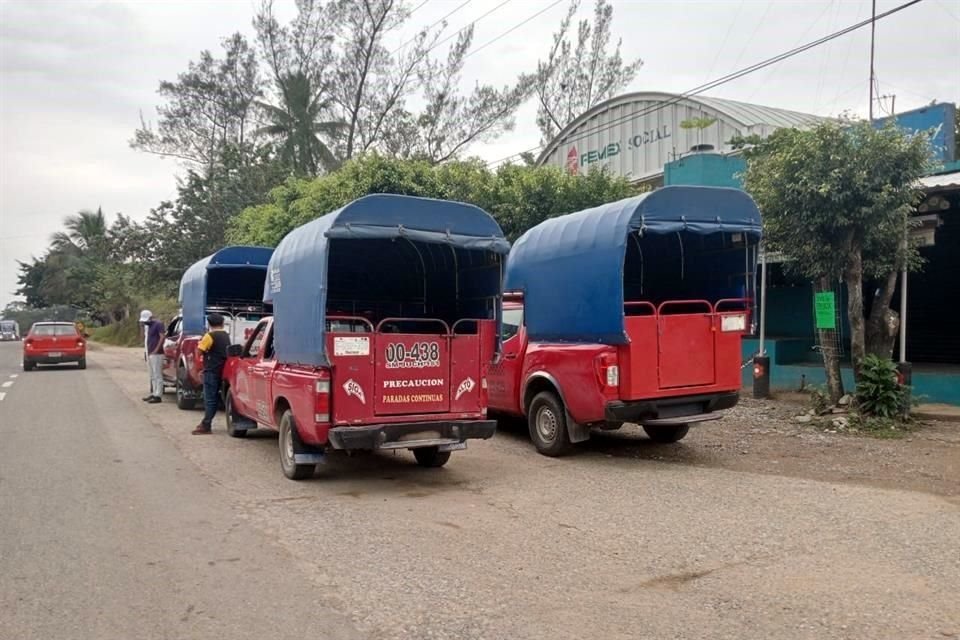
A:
(873, 33)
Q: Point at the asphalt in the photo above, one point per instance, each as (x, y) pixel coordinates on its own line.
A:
(107, 532)
(117, 523)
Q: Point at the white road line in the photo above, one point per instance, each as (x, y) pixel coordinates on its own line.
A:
(14, 375)
(8, 383)
(2, 396)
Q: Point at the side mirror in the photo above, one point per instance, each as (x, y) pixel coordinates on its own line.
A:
(235, 350)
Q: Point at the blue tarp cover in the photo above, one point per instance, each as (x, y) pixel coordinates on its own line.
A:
(193, 284)
(297, 277)
(570, 268)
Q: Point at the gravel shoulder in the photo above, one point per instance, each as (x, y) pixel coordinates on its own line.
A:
(751, 528)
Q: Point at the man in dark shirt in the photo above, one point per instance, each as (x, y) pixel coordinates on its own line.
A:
(213, 345)
(153, 331)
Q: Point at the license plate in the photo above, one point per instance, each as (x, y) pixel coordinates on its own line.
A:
(55, 354)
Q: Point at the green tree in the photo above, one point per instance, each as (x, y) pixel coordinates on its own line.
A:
(85, 233)
(209, 106)
(575, 77)
(298, 126)
(837, 199)
(518, 197)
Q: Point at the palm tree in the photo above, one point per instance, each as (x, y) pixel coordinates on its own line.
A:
(84, 233)
(297, 125)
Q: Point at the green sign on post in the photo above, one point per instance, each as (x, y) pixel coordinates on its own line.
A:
(825, 310)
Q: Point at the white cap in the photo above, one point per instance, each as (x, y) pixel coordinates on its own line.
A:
(145, 315)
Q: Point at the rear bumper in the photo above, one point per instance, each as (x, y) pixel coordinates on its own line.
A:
(43, 358)
(670, 408)
(450, 434)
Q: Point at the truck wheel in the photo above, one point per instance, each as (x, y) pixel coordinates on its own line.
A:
(547, 420)
(667, 434)
(231, 417)
(183, 402)
(289, 446)
(82, 364)
(431, 457)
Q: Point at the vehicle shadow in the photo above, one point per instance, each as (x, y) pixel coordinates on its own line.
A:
(50, 368)
(381, 473)
(627, 442)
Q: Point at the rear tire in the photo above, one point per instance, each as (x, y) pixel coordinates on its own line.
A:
(431, 457)
(547, 421)
(290, 445)
(230, 417)
(28, 366)
(183, 402)
(667, 434)
(82, 364)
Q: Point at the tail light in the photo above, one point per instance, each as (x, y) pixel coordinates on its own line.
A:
(28, 342)
(321, 401)
(80, 343)
(608, 372)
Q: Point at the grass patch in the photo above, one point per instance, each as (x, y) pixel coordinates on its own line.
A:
(127, 333)
(882, 428)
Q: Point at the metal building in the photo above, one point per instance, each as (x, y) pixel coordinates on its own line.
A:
(636, 134)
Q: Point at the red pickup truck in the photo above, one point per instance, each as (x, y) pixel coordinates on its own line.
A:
(384, 326)
(629, 312)
(229, 282)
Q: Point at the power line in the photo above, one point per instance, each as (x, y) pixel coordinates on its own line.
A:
(453, 11)
(730, 77)
(513, 28)
(466, 26)
(796, 42)
(726, 36)
(414, 10)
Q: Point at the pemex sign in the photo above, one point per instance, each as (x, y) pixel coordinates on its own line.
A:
(577, 159)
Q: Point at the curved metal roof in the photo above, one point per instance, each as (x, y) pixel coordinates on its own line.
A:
(742, 115)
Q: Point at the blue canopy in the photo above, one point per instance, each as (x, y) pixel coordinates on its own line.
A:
(196, 283)
(570, 268)
(297, 280)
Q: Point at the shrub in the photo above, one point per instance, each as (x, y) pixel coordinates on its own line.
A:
(879, 393)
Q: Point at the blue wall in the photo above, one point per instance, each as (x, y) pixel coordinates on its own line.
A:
(928, 386)
(938, 119)
(705, 169)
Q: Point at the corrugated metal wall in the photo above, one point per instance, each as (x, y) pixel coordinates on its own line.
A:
(636, 137)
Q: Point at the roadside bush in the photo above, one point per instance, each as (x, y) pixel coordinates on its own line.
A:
(126, 332)
(879, 394)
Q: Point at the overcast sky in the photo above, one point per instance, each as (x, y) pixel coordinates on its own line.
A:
(74, 77)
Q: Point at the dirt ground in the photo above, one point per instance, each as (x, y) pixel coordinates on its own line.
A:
(754, 526)
(761, 436)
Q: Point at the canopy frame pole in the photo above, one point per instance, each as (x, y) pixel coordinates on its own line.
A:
(903, 316)
(763, 300)
(761, 362)
(456, 273)
(423, 271)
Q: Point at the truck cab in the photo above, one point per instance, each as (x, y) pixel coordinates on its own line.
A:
(630, 312)
(384, 328)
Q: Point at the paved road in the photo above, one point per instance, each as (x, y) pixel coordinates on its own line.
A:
(502, 543)
(107, 532)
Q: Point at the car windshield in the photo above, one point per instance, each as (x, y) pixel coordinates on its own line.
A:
(54, 330)
(6, 326)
